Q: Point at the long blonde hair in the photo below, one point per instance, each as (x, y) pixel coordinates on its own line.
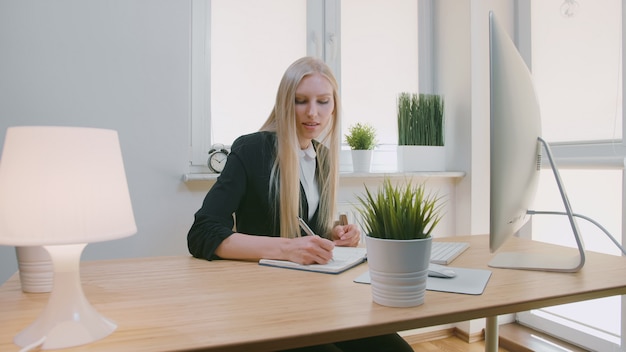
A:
(285, 175)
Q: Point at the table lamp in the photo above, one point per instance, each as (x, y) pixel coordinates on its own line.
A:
(62, 188)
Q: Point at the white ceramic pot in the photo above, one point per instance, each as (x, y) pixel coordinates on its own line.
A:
(421, 158)
(398, 270)
(361, 160)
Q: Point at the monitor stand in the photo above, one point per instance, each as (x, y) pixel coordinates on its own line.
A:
(542, 261)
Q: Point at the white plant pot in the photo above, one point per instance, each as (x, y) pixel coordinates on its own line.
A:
(398, 270)
(421, 158)
(361, 160)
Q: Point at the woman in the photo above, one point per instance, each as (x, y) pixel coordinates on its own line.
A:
(288, 169)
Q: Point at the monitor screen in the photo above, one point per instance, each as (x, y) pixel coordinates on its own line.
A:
(515, 129)
(515, 158)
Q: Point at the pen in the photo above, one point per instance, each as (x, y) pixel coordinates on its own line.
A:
(306, 227)
(308, 231)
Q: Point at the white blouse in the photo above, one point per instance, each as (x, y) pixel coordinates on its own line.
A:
(308, 178)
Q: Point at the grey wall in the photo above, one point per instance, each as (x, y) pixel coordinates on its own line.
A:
(118, 64)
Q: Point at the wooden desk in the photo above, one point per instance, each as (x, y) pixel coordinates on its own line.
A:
(181, 303)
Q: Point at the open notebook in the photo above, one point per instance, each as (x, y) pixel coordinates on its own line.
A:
(344, 258)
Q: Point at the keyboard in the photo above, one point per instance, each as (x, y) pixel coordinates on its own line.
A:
(444, 253)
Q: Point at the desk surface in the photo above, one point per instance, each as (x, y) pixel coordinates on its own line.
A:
(182, 303)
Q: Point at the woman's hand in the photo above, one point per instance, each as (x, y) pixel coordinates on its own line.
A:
(346, 235)
(310, 250)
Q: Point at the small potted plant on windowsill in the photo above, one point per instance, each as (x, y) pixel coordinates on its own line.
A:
(398, 222)
(420, 132)
(362, 139)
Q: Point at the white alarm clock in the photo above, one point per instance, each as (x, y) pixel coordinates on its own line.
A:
(217, 158)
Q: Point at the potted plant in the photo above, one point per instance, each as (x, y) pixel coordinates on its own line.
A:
(362, 139)
(398, 222)
(420, 132)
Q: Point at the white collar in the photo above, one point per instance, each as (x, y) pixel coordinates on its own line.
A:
(309, 152)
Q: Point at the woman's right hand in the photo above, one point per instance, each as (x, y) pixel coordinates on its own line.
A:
(310, 250)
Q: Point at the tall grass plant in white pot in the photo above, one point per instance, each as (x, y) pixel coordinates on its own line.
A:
(421, 132)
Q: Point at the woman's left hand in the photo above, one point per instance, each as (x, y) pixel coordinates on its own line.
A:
(346, 235)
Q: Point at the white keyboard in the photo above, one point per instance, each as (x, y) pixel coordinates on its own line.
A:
(444, 253)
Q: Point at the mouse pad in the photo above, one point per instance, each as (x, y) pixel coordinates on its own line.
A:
(466, 281)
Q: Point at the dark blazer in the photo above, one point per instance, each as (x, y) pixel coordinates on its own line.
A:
(241, 189)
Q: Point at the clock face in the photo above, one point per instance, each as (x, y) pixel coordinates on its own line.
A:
(217, 161)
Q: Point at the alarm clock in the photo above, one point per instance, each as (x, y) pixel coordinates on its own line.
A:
(217, 158)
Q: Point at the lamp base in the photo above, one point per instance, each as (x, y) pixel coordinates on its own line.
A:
(35, 269)
(68, 319)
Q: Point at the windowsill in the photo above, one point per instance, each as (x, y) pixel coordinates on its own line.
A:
(191, 177)
(403, 174)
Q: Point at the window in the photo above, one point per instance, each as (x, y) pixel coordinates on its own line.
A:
(576, 64)
(252, 42)
(378, 61)
(240, 49)
(577, 70)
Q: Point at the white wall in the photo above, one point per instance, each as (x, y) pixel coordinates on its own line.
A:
(452, 79)
(118, 64)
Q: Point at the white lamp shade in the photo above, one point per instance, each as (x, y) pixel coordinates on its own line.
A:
(63, 185)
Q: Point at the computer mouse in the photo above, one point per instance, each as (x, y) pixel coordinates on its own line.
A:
(441, 271)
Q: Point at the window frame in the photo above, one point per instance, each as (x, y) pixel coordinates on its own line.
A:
(200, 86)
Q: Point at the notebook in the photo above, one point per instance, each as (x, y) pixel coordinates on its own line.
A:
(344, 258)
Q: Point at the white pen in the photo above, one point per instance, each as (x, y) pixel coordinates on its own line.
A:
(309, 232)
(305, 227)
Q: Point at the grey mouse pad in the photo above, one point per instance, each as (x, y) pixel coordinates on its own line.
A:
(466, 281)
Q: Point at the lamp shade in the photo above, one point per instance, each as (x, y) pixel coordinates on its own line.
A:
(63, 185)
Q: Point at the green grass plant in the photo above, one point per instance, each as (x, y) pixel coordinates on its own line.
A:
(400, 212)
(420, 119)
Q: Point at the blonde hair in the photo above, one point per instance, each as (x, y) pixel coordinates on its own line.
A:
(285, 175)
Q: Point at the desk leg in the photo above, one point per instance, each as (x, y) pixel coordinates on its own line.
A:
(491, 334)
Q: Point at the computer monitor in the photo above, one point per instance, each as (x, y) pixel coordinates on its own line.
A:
(515, 157)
